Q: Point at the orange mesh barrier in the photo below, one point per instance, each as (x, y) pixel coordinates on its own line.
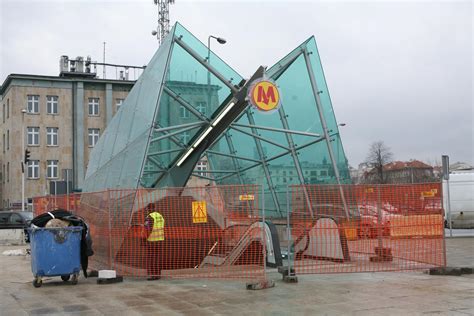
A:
(385, 228)
(217, 231)
(207, 232)
(50, 202)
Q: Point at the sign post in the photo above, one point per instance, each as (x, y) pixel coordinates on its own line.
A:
(445, 162)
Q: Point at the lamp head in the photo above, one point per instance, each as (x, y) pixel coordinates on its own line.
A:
(220, 40)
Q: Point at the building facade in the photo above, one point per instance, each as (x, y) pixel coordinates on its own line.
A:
(413, 171)
(60, 119)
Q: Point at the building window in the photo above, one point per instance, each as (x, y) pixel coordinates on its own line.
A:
(202, 107)
(33, 136)
(93, 136)
(8, 139)
(93, 106)
(52, 104)
(184, 138)
(3, 113)
(118, 103)
(8, 108)
(33, 169)
(52, 169)
(51, 136)
(202, 166)
(8, 171)
(183, 112)
(4, 143)
(33, 104)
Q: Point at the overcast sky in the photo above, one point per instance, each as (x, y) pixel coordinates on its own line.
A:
(399, 71)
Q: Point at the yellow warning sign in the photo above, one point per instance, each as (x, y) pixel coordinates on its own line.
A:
(427, 194)
(246, 197)
(199, 212)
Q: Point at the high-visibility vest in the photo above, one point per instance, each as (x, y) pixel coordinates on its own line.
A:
(158, 230)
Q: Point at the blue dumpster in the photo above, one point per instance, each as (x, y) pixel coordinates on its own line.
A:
(55, 252)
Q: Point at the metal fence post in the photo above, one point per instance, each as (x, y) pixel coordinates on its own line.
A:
(379, 219)
(264, 234)
(110, 229)
(288, 230)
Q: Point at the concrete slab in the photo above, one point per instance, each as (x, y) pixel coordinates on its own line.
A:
(407, 293)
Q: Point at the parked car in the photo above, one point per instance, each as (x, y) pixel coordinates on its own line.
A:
(15, 220)
(369, 216)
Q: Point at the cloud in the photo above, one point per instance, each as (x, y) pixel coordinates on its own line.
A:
(397, 71)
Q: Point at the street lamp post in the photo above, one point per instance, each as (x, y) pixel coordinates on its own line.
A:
(220, 40)
(22, 160)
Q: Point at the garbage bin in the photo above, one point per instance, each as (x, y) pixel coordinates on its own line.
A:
(55, 252)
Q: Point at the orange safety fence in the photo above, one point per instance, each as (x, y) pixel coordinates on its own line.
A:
(207, 232)
(218, 231)
(366, 228)
(44, 204)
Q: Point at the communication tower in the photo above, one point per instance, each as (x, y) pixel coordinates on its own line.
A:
(163, 19)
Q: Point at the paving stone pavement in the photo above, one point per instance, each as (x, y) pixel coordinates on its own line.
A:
(405, 293)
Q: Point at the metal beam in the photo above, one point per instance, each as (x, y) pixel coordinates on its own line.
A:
(282, 67)
(217, 171)
(164, 129)
(183, 165)
(188, 106)
(277, 156)
(264, 163)
(233, 151)
(203, 61)
(294, 155)
(232, 156)
(165, 152)
(167, 135)
(195, 174)
(282, 130)
(319, 107)
(256, 135)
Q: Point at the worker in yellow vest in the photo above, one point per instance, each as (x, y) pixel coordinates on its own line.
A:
(155, 224)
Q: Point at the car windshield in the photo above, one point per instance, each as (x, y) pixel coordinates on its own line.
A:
(27, 215)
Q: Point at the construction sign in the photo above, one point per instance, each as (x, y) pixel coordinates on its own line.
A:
(431, 193)
(199, 212)
(246, 197)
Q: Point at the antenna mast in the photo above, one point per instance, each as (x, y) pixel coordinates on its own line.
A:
(163, 19)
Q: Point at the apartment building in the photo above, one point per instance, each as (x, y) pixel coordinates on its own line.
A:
(60, 119)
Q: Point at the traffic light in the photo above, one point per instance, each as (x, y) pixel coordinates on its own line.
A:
(27, 156)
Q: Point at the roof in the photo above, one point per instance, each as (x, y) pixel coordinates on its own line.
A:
(400, 165)
(460, 166)
(10, 77)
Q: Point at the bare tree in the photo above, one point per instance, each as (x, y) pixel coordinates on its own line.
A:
(379, 155)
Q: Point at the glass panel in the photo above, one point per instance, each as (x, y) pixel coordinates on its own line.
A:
(204, 52)
(132, 122)
(111, 132)
(341, 160)
(132, 163)
(298, 101)
(123, 129)
(148, 98)
(322, 86)
(194, 83)
(197, 88)
(113, 175)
